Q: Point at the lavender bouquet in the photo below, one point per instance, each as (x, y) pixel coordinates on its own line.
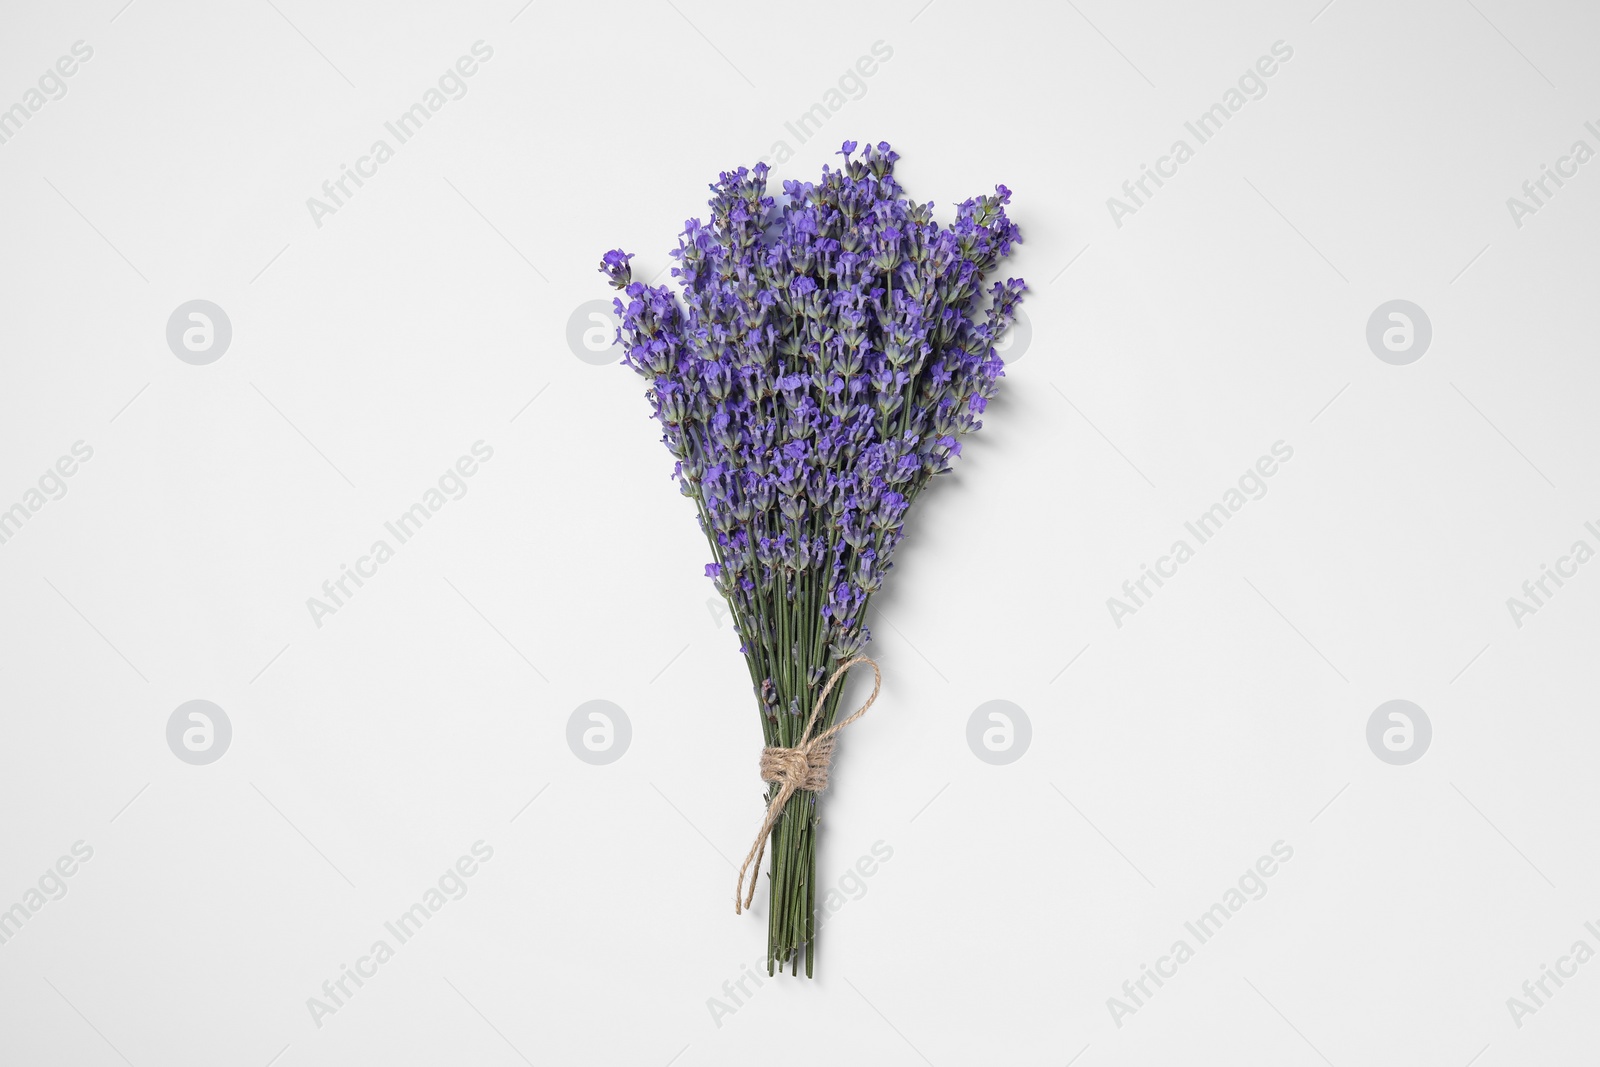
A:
(825, 360)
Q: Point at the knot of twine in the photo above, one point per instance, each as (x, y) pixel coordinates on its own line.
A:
(805, 766)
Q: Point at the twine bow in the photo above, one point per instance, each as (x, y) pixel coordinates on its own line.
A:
(805, 766)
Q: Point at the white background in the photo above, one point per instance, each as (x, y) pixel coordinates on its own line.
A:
(432, 310)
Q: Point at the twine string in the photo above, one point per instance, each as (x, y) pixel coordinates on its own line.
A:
(805, 766)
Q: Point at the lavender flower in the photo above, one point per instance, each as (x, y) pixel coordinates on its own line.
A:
(819, 367)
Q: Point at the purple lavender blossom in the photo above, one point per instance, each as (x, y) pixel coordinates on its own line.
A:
(826, 358)
(614, 265)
